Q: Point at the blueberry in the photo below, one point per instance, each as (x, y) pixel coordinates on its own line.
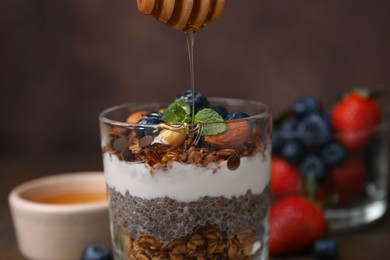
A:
(292, 151)
(277, 142)
(221, 110)
(312, 166)
(96, 252)
(313, 130)
(305, 105)
(199, 100)
(288, 129)
(289, 125)
(327, 114)
(156, 115)
(333, 154)
(325, 249)
(153, 118)
(236, 115)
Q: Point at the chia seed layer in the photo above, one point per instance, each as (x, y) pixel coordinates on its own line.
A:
(166, 219)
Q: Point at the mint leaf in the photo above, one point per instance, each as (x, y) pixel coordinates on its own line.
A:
(208, 115)
(178, 112)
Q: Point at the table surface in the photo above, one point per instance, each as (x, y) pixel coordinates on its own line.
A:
(369, 243)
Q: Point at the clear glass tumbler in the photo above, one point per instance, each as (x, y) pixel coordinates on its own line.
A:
(362, 199)
(353, 193)
(176, 192)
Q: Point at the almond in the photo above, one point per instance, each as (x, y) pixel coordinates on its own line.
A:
(236, 134)
(136, 116)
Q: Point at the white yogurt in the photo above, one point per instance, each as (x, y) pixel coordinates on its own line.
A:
(187, 182)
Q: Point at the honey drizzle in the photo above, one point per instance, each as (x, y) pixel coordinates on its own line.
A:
(190, 46)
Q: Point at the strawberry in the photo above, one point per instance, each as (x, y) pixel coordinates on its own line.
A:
(354, 117)
(285, 179)
(295, 224)
(348, 180)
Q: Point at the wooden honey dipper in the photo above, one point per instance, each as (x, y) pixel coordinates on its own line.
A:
(183, 14)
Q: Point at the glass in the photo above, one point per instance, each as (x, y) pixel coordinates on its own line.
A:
(175, 193)
(354, 192)
(354, 208)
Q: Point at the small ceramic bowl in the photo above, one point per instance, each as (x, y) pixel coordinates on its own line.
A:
(56, 217)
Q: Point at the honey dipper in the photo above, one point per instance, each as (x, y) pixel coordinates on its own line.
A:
(183, 14)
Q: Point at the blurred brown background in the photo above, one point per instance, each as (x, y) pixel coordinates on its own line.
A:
(63, 61)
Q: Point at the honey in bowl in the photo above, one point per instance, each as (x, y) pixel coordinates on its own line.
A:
(73, 197)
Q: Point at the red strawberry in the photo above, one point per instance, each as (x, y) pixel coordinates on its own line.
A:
(285, 179)
(348, 180)
(295, 224)
(353, 119)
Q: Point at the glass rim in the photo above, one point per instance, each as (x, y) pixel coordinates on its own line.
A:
(233, 101)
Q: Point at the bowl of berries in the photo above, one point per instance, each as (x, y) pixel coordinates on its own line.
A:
(334, 155)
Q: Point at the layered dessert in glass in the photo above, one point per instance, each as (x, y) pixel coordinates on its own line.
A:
(188, 179)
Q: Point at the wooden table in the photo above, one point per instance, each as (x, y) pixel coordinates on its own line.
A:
(369, 243)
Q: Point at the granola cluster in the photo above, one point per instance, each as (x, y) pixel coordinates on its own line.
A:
(127, 146)
(205, 243)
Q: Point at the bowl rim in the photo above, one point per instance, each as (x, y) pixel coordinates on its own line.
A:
(16, 199)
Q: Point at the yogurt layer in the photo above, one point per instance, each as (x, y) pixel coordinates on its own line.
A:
(187, 182)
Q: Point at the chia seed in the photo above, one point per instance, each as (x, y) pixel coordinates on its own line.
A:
(166, 219)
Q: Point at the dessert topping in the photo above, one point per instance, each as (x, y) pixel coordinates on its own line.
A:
(235, 136)
(145, 141)
(199, 100)
(233, 162)
(152, 118)
(136, 116)
(176, 133)
(179, 112)
(170, 137)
